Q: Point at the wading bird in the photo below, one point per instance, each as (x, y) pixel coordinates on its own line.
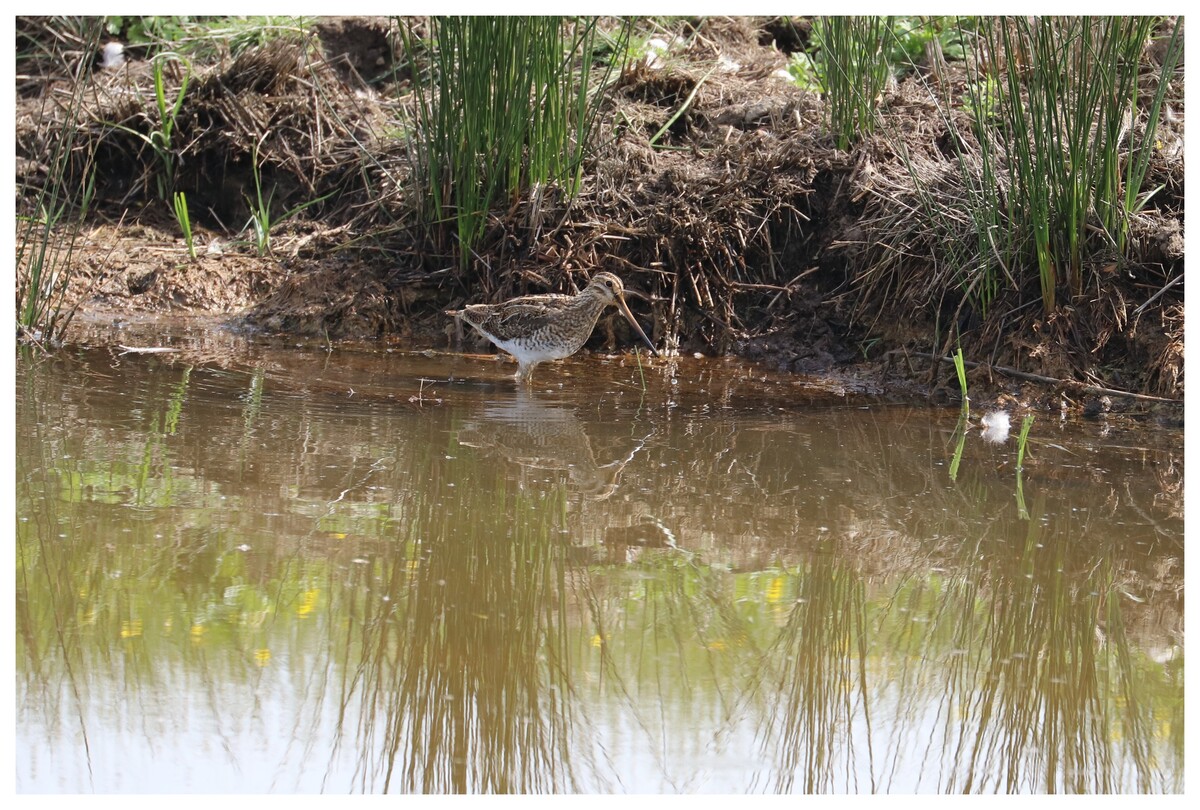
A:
(536, 328)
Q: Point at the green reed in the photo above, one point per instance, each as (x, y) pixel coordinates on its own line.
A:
(160, 138)
(504, 105)
(1143, 147)
(168, 111)
(47, 231)
(1060, 94)
(261, 219)
(260, 209)
(960, 370)
(1053, 171)
(1023, 439)
(185, 222)
(856, 71)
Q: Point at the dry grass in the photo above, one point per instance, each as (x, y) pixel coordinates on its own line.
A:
(743, 224)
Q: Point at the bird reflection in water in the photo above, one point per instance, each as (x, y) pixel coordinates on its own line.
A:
(535, 436)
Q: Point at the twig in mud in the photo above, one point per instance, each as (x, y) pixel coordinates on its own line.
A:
(145, 349)
(1025, 375)
(1156, 296)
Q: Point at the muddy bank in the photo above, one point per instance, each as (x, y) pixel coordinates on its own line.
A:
(746, 229)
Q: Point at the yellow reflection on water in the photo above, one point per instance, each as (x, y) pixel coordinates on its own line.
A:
(589, 589)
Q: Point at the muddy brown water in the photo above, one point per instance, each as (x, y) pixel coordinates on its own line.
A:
(257, 565)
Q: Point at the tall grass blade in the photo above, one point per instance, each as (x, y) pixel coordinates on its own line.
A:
(960, 369)
(1139, 163)
(1023, 439)
(503, 105)
(687, 102)
(185, 222)
(48, 227)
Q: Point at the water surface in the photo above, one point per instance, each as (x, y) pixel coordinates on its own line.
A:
(257, 566)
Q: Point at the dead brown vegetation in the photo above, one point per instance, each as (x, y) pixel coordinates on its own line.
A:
(746, 228)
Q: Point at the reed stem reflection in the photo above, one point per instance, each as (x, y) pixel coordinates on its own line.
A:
(228, 583)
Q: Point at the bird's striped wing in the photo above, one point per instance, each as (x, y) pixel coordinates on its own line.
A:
(516, 318)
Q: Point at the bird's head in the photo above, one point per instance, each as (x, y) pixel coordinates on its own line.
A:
(612, 291)
(608, 286)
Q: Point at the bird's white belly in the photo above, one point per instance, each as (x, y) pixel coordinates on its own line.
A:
(527, 351)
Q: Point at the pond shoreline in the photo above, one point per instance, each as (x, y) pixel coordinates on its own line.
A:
(747, 231)
(219, 339)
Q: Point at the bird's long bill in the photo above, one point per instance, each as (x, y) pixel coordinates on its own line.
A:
(621, 305)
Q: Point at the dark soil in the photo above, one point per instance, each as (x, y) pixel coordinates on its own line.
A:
(748, 231)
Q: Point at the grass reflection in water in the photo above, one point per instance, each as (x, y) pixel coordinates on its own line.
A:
(301, 597)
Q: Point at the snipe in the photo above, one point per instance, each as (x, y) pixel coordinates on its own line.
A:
(536, 328)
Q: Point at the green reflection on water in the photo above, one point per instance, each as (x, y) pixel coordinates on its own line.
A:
(419, 615)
